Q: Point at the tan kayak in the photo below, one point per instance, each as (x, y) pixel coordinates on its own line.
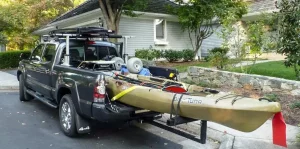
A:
(240, 113)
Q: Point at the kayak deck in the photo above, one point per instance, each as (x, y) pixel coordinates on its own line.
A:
(240, 113)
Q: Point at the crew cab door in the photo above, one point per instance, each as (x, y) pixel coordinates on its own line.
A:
(45, 70)
(32, 68)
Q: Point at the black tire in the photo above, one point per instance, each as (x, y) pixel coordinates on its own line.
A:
(22, 90)
(71, 129)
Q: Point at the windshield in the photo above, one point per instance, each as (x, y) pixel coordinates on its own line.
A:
(80, 52)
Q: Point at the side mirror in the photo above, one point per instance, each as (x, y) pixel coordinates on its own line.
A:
(23, 56)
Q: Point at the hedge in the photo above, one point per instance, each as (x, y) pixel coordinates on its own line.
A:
(148, 54)
(10, 59)
(173, 55)
(170, 55)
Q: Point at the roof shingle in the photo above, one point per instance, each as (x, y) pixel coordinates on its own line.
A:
(154, 6)
(159, 6)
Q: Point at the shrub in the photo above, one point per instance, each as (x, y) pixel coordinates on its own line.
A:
(148, 54)
(173, 55)
(272, 97)
(157, 53)
(295, 105)
(218, 57)
(206, 58)
(10, 59)
(188, 55)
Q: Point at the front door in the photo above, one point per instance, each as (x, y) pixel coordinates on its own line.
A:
(45, 70)
(32, 68)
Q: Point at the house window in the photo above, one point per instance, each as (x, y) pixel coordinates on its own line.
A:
(160, 32)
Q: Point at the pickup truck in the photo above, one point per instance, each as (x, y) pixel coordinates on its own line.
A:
(43, 76)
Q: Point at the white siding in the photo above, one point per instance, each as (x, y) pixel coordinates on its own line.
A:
(211, 42)
(141, 29)
(176, 38)
(143, 32)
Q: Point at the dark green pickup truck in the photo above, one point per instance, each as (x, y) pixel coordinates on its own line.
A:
(46, 77)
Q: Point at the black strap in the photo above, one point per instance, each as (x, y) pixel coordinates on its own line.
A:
(172, 106)
(173, 110)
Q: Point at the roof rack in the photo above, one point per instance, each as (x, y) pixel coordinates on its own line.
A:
(84, 32)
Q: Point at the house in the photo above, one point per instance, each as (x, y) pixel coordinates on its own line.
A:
(155, 28)
(2, 48)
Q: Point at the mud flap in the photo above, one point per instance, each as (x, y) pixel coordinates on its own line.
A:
(82, 125)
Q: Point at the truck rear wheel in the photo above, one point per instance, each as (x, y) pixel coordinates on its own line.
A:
(22, 90)
(67, 116)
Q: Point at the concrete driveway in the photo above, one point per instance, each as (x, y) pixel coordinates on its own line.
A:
(33, 125)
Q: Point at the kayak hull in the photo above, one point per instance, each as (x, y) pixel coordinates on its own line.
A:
(244, 114)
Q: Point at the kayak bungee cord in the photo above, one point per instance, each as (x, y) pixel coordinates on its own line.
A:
(236, 97)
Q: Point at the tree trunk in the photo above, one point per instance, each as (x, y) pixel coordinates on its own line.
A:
(197, 48)
(297, 71)
(112, 16)
(113, 26)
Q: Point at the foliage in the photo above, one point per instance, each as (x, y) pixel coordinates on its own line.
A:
(206, 58)
(148, 54)
(197, 17)
(273, 69)
(272, 97)
(206, 84)
(173, 55)
(218, 57)
(3, 39)
(255, 41)
(295, 105)
(188, 55)
(252, 37)
(289, 29)
(19, 18)
(112, 11)
(10, 59)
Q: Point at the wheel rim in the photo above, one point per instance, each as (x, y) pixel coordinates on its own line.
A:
(66, 116)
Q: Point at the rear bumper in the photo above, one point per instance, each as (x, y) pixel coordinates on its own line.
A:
(124, 113)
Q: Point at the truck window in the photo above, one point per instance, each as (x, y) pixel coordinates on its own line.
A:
(76, 55)
(37, 53)
(49, 53)
(99, 52)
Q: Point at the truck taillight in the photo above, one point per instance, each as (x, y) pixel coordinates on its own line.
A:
(99, 91)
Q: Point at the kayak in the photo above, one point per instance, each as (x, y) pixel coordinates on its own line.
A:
(234, 111)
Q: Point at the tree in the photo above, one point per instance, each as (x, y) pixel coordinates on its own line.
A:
(289, 31)
(18, 18)
(198, 16)
(113, 9)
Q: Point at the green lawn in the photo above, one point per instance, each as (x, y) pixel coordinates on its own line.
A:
(274, 69)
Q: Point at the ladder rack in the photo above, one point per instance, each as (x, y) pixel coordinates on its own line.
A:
(84, 32)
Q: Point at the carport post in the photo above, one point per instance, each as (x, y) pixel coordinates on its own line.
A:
(125, 48)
